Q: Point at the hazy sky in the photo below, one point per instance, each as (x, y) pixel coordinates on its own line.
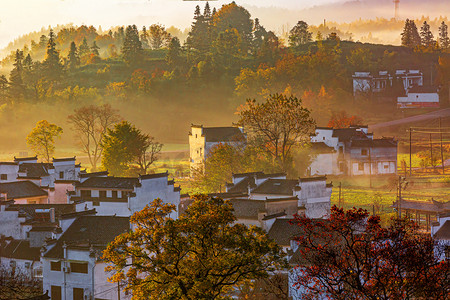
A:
(18, 17)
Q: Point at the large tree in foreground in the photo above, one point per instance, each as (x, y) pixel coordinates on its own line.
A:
(42, 139)
(90, 123)
(17, 284)
(277, 125)
(201, 255)
(350, 256)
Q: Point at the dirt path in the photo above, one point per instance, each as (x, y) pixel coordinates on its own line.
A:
(428, 116)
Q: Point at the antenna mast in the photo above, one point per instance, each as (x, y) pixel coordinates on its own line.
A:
(396, 2)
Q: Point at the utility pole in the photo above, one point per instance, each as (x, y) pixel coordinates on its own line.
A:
(370, 169)
(431, 152)
(442, 152)
(410, 150)
(118, 290)
(340, 185)
(399, 205)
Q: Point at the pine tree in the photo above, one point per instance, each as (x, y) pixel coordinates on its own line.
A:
(84, 48)
(259, 35)
(73, 60)
(299, 34)
(144, 38)
(410, 35)
(199, 37)
(17, 87)
(444, 40)
(53, 68)
(207, 12)
(132, 47)
(173, 55)
(94, 49)
(427, 38)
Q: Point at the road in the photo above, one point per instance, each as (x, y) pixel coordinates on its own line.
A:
(429, 116)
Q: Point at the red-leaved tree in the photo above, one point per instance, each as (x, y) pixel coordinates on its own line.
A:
(350, 256)
(342, 120)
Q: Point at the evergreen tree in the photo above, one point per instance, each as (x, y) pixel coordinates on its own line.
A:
(444, 40)
(199, 37)
(427, 38)
(53, 68)
(72, 58)
(259, 35)
(17, 87)
(410, 35)
(94, 49)
(173, 57)
(159, 37)
(132, 47)
(299, 34)
(207, 12)
(4, 85)
(84, 48)
(43, 40)
(144, 38)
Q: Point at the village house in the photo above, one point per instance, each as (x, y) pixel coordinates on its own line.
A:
(122, 196)
(356, 152)
(72, 264)
(419, 97)
(203, 139)
(440, 230)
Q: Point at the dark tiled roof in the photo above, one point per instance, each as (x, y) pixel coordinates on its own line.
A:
(274, 216)
(247, 209)
(377, 143)
(423, 89)
(242, 186)
(76, 214)
(282, 232)
(8, 163)
(431, 206)
(25, 158)
(229, 195)
(94, 174)
(29, 210)
(223, 134)
(64, 159)
(21, 189)
(20, 249)
(346, 134)
(158, 175)
(444, 232)
(95, 230)
(277, 186)
(127, 183)
(314, 178)
(321, 147)
(34, 170)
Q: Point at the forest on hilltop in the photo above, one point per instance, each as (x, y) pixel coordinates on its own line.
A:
(163, 80)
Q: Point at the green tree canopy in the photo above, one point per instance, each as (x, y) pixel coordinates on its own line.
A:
(410, 34)
(299, 34)
(444, 40)
(42, 139)
(201, 255)
(52, 66)
(132, 46)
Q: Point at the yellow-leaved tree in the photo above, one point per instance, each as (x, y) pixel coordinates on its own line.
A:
(42, 139)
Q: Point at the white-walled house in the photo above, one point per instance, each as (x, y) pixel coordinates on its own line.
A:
(72, 265)
(356, 152)
(419, 97)
(122, 196)
(19, 256)
(440, 231)
(202, 139)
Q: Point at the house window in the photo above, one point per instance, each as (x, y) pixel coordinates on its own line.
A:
(114, 194)
(79, 267)
(55, 266)
(78, 294)
(61, 175)
(364, 152)
(27, 265)
(360, 166)
(85, 193)
(386, 166)
(124, 195)
(323, 138)
(12, 263)
(55, 292)
(102, 194)
(4, 176)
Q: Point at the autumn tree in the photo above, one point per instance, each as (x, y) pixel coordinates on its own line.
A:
(132, 46)
(299, 34)
(90, 123)
(444, 40)
(124, 145)
(203, 254)
(158, 36)
(351, 256)
(144, 38)
(277, 125)
(84, 48)
(42, 139)
(342, 120)
(16, 284)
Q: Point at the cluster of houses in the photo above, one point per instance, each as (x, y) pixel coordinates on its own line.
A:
(56, 219)
(405, 86)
